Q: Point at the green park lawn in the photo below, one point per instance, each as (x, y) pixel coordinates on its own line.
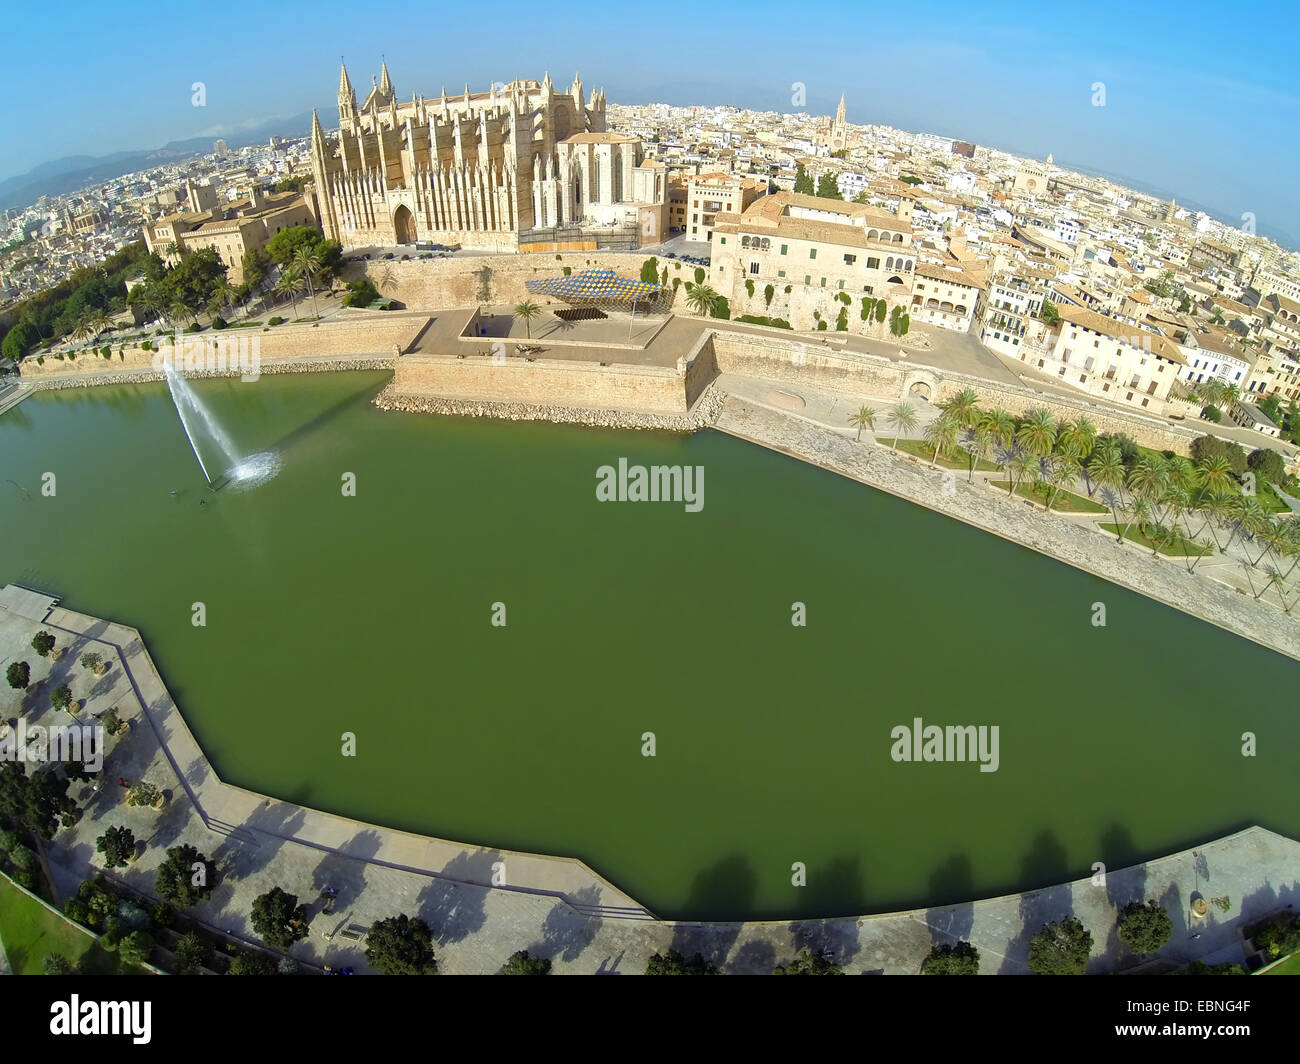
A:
(1290, 966)
(1181, 549)
(1066, 502)
(30, 932)
(921, 449)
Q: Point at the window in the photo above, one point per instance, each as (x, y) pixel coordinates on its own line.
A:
(823, 282)
(840, 285)
(807, 278)
(753, 267)
(873, 264)
(812, 254)
(849, 260)
(780, 273)
(785, 248)
(722, 240)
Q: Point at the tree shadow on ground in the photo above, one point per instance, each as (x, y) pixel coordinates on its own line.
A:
(950, 924)
(727, 886)
(827, 890)
(344, 873)
(453, 903)
(1126, 878)
(566, 932)
(1045, 860)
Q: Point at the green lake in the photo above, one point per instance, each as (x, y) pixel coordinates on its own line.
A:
(371, 614)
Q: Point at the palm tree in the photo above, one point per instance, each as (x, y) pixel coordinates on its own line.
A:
(962, 409)
(527, 310)
(998, 425)
(1065, 470)
(1216, 475)
(290, 284)
(180, 313)
(83, 330)
(225, 293)
(1140, 511)
(902, 416)
(701, 298)
(942, 432)
(1111, 498)
(1210, 392)
(1037, 433)
(975, 442)
(306, 263)
(1022, 465)
(1105, 468)
(102, 322)
(1231, 393)
(1148, 478)
(865, 418)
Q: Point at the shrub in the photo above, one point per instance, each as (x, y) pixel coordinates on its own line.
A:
(1208, 448)
(219, 322)
(1061, 948)
(192, 951)
(163, 914)
(1145, 928)
(721, 309)
(117, 845)
(673, 963)
(699, 275)
(1212, 413)
(61, 696)
(522, 963)
(959, 959)
(78, 911)
(58, 964)
(1267, 464)
(135, 948)
(19, 674)
(360, 294)
(91, 660)
(142, 793)
(275, 319)
(821, 326)
(112, 723)
(247, 963)
(43, 643)
(146, 345)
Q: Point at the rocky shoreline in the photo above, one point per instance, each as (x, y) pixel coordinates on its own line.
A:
(705, 411)
(145, 376)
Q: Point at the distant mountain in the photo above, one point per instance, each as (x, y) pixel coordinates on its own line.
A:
(58, 177)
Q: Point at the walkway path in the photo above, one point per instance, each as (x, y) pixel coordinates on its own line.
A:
(553, 907)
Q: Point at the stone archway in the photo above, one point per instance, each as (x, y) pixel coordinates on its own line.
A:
(920, 385)
(403, 225)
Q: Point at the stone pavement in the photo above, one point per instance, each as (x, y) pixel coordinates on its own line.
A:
(554, 907)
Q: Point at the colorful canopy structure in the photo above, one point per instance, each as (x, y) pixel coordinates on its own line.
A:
(601, 288)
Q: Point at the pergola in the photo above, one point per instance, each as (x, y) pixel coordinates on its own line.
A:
(602, 289)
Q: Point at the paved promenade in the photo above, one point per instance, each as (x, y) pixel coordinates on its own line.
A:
(751, 415)
(554, 907)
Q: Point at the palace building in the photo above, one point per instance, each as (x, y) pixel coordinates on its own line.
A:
(477, 169)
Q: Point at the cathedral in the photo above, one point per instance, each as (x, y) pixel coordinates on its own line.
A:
(476, 169)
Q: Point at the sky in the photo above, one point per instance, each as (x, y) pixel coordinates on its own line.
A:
(1194, 103)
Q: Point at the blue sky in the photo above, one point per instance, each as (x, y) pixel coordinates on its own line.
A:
(1196, 103)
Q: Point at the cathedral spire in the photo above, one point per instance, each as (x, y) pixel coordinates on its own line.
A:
(317, 134)
(345, 85)
(840, 114)
(385, 82)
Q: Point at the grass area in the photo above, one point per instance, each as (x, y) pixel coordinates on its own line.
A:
(1290, 966)
(1066, 502)
(242, 324)
(1182, 549)
(30, 932)
(921, 449)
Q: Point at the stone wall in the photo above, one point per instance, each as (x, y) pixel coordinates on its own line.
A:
(585, 385)
(352, 334)
(470, 280)
(819, 366)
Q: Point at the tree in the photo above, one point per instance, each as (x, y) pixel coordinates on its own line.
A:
(136, 948)
(865, 418)
(1207, 448)
(1145, 928)
(286, 244)
(1267, 464)
(803, 182)
(290, 285)
(255, 263)
(38, 802)
(19, 674)
(1037, 433)
(193, 952)
(250, 963)
(962, 408)
(522, 963)
(701, 298)
(58, 964)
(142, 793)
(650, 271)
(1049, 313)
(117, 845)
(528, 310)
(903, 417)
(809, 963)
(279, 919)
(61, 697)
(1060, 948)
(360, 294)
(673, 963)
(401, 946)
(306, 263)
(952, 959)
(91, 660)
(828, 186)
(942, 432)
(185, 877)
(43, 643)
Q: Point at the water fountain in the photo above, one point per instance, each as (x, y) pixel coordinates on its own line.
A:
(194, 414)
(198, 420)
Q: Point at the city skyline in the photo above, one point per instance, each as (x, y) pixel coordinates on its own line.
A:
(1028, 92)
